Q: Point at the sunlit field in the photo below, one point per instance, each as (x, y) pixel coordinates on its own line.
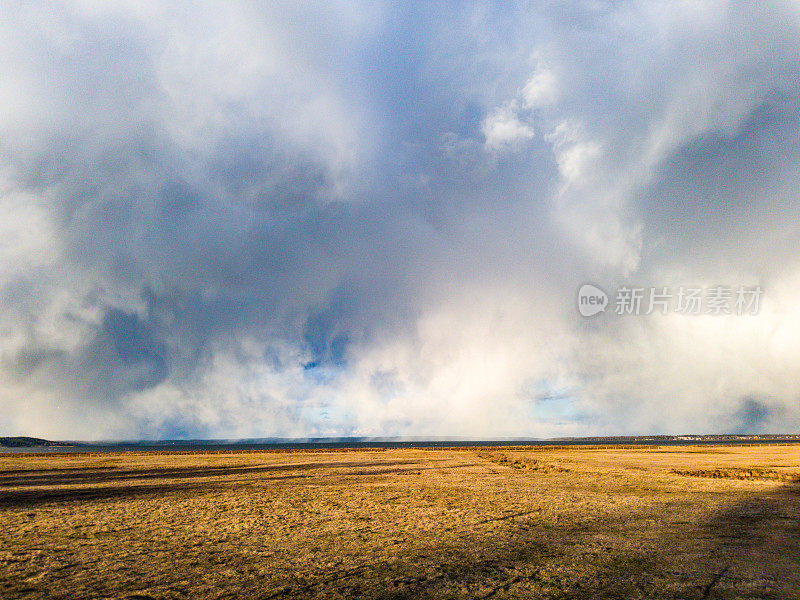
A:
(590, 522)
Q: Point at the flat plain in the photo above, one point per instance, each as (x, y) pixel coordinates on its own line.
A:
(522, 522)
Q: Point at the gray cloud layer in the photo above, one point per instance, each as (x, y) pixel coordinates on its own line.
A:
(230, 220)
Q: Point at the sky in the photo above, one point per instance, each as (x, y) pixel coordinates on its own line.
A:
(238, 219)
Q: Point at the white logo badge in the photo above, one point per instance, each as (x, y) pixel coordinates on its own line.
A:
(591, 300)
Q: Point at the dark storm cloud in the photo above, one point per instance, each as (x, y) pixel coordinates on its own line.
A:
(134, 347)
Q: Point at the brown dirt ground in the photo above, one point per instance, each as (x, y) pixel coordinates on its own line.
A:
(592, 522)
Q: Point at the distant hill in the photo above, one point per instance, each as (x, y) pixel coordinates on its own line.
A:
(29, 442)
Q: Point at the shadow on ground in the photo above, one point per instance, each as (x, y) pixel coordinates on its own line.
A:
(750, 549)
(108, 474)
(86, 485)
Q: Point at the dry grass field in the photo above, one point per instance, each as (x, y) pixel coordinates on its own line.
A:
(600, 522)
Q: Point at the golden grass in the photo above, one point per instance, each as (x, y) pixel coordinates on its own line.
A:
(547, 522)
